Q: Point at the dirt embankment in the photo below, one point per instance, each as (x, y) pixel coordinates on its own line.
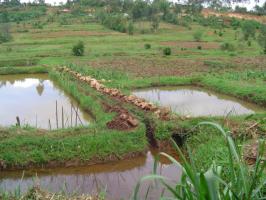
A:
(209, 12)
(162, 113)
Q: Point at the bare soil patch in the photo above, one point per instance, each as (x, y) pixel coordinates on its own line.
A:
(123, 120)
(148, 67)
(209, 12)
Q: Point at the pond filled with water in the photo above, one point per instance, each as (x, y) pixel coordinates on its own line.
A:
(196, 101)
(117, 179)
(33, 99)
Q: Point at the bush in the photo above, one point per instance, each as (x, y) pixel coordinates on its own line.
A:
(227, 46)
(167, 51)
(199, 47)
(78, 49)
(198, 36)
(147, 46)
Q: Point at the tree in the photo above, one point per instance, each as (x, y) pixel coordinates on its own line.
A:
(249, 29)
(260, 10)
(262, 38)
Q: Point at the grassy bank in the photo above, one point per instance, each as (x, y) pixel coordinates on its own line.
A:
(23, 70)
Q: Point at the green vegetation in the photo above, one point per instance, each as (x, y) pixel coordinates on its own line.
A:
(241, 183)
(78, 49)
(198, 36)
(167, 51)
(130, 45)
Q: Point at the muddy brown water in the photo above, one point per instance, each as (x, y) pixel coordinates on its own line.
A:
(33, 99)
(195, 101)
(116, 179)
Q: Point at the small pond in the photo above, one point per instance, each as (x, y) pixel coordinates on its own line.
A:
(33, 99)
(196, 101)
(117, 179)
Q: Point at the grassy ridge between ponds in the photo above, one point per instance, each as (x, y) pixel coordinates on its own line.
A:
(84, 145)
(23, 70)
(253, 90)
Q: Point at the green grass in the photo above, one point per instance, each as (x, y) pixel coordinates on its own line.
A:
(73, 144)
(23, 70)
(241, 183)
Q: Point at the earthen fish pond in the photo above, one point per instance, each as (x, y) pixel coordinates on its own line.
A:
(38, 102)
(196, 102)
(33, 98)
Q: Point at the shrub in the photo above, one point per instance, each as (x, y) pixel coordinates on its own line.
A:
(78, 49)
(147, 46)
(167, 51)
(199, 47)
(227, 46)
(198, 36)
(220, 34)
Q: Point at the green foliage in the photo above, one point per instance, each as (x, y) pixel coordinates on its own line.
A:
(227, 46)
(249, 29)
(130, 28)
(37, 25)
(5, 34)
(241, 182)
(155, 22)
(117, 22)
(212, 21)
(147, 46)
(29, 13)
(198, 36)
(262, 38)
(64, 19)
(167, 51)
(78, 49)
(235, 23)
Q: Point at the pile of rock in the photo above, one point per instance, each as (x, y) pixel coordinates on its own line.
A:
(139, 102)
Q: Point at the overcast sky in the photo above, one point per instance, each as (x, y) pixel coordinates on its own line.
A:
(248, 5)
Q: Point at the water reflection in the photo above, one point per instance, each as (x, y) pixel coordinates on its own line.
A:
(197, 102)
(33, 99)
(118, 178)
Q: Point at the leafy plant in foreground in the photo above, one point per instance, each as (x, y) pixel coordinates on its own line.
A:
(243, 183)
